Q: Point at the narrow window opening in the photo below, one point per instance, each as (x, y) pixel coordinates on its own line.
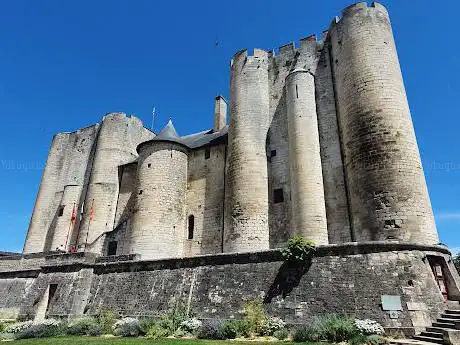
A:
(191, 226)
(112, 248)
(61, 211)
(51, 292)
(278, 196)
(296, 91)
(207, 153)
(273, 153)
(140, 192)
(149, 165)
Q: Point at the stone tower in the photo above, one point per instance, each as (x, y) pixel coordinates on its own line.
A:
(307, 190)
(388, 196)
(158, 225)
(247, 199)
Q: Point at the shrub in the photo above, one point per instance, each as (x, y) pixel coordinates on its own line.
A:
(281, 334)
(369, 327)
(358, 339)
(376, 340)
(336, 328)
(254, 316)
(271, 324)
(106, 320)
(174, 318)
(211, 329)
(191, 325)
(306, 333)
(80, 326)
(146, 323)
(94, 330)
(18, 327)
(41, 329)
(127, 327)
(157, 331)
(232, 329)
(298, 249)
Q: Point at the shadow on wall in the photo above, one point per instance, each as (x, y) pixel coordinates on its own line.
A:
(288, 278)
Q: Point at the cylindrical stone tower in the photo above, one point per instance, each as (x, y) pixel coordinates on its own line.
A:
(246, 215)
(386, 184)
(158, 225)
(307, 190)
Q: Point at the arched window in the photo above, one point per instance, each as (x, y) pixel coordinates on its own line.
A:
(191, 226)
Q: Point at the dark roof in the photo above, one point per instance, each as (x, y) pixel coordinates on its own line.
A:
(9, 254)
(192, 141)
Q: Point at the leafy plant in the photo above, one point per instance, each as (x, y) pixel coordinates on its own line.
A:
(191, 325)
(254, 316)
(41, 329)
(271, 324)
(157, 331)
(336, 328)
(298, 249)
(281, 334)
(82, 326)
(127, 327)
(106, 320)
(306, 334)
(376, 340)
(211, 329)
(232, 329)
(174, 318)
(369, 327)
(359, 339)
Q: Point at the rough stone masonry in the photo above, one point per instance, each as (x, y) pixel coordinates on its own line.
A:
(320, 143)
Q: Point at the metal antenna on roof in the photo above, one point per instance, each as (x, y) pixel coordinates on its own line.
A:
(153, 116)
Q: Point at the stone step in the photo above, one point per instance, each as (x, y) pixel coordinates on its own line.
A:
(437, 329)
(432, 335)
(449, 325)
(445, 319)
(429, 339)
(452, 312)
(450, 316)
(453, 305)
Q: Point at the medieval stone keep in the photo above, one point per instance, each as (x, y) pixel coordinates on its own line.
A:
(319, 143)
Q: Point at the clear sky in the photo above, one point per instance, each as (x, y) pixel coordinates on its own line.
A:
(64, 64)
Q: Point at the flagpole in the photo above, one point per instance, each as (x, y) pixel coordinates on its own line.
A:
(153, 116)
(89, 223)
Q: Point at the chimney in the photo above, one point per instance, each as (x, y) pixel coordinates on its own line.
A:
(220, 113)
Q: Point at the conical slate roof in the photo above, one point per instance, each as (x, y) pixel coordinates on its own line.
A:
(168, 133)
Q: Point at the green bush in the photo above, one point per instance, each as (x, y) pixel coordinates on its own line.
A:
(336, 328)
(42, 329)
(106, 320)
(157, 331)
(281, 334)
(82, 326)
(232, 329)
(358, 339)
(306, 334)
(255, 316)
(173, 319)
(211, 329)
(298, 249)
(376, 340)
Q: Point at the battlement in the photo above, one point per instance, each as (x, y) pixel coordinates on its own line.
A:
(308, 45)
(360, 6)
(242, 58)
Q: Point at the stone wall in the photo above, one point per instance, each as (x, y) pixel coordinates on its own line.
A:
(205, 200)
(349, 278)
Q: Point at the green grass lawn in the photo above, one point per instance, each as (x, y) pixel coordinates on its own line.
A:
(128, 341)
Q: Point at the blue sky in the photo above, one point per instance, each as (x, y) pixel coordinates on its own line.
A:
(64, 64)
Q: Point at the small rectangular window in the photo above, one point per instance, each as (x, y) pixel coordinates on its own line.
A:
(278, 195)
(207, 153)
(273, 153)
(61, 211)
(51, 292)
(112, 248)
(191, 226)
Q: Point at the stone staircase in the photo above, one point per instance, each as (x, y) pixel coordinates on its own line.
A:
(449, 321)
